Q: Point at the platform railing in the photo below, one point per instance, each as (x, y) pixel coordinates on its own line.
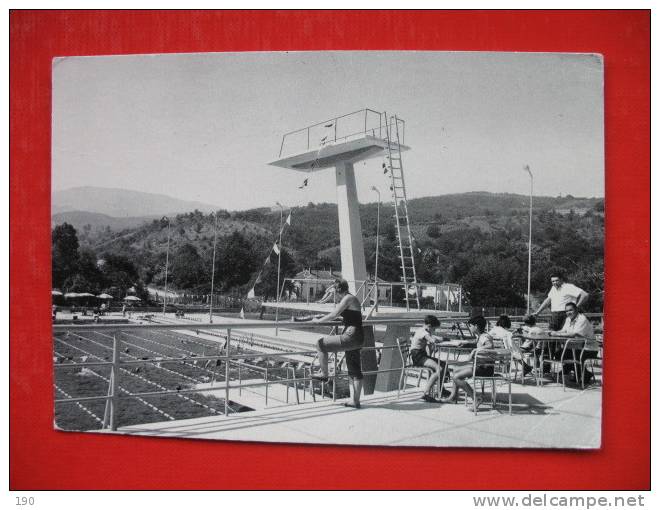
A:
(360, 123)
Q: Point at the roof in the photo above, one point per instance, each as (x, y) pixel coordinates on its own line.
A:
(318, 274)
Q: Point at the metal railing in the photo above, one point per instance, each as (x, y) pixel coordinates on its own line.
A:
(233, 332)
(116, 365)
(357, 124)
(433, 296)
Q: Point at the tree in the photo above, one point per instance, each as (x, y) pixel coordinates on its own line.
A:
(433, 231)
(64, 253)
(235, 261)
(288, 268)
(493, 282)
(89, 270)
(119, 272)
(188, 268)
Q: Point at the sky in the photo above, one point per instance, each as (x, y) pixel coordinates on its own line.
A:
(205, 126)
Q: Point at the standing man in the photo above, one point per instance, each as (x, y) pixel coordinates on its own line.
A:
(561, 293)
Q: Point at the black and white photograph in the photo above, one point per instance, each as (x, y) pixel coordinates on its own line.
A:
(380, 248)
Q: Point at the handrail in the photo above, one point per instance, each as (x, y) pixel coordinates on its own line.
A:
(334, 121)
(243, 324)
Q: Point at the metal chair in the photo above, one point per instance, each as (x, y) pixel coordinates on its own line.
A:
(518, 358)
(500, 360)
(407, 366)
(572, 347)
(590, 346)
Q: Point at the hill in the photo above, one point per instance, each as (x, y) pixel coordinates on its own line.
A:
(85, 221)
(476, 239)
(121, 203)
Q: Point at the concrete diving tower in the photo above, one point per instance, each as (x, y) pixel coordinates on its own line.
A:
(340, 143)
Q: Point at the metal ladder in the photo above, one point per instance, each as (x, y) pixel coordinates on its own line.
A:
(394, 165)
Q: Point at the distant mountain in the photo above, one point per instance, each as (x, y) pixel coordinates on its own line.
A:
(98, 221)
(121, 203)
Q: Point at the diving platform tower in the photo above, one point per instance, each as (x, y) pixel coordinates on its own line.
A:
(339, 143)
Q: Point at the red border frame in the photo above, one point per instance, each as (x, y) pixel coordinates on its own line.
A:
(41, 458)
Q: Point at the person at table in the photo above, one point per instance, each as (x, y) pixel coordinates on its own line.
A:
(477, 326)
(527, 345)
(577, 326)
(350, 341)
(501, 332)
(420, 358)
(560, 294)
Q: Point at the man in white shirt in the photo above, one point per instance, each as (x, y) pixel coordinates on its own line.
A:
(561, 293)
(577, 326)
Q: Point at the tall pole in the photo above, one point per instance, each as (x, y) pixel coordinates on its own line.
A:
(377, 243)
(279, 260)
(167, 261)
(529, 248)
(215, 237)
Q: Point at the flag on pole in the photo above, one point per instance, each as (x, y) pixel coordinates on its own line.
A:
(250, 294)
(242, 314)
(288, 219)
(276, 249)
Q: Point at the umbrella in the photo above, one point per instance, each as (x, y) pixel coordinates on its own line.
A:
(132, 298)
(104, 296)
(86, 294)
(71, 295)
(55, 293)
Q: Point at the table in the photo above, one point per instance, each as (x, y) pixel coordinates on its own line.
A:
(543, 340)
(455, 349)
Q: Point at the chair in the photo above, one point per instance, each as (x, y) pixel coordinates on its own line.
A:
(518, 357)
(500, 360)
(591, 346)
(407, 366)
(571, 348)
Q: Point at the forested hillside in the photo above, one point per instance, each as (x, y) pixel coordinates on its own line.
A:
(476, 239)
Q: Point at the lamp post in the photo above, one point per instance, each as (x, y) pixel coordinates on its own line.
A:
(529, 248)
(279, 260)
(215, 237)
(374, 188)
(167, 260)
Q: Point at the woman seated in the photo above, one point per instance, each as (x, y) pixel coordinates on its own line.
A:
(501, 333)
(477, 326)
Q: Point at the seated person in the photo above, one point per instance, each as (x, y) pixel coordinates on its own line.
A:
(577, 326)
(501, 333)
(420, 357)
(529, 328)
(477, 326)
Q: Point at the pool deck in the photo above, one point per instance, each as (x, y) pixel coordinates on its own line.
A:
(543, 417)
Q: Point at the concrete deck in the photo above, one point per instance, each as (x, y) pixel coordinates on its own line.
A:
(543, 417)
